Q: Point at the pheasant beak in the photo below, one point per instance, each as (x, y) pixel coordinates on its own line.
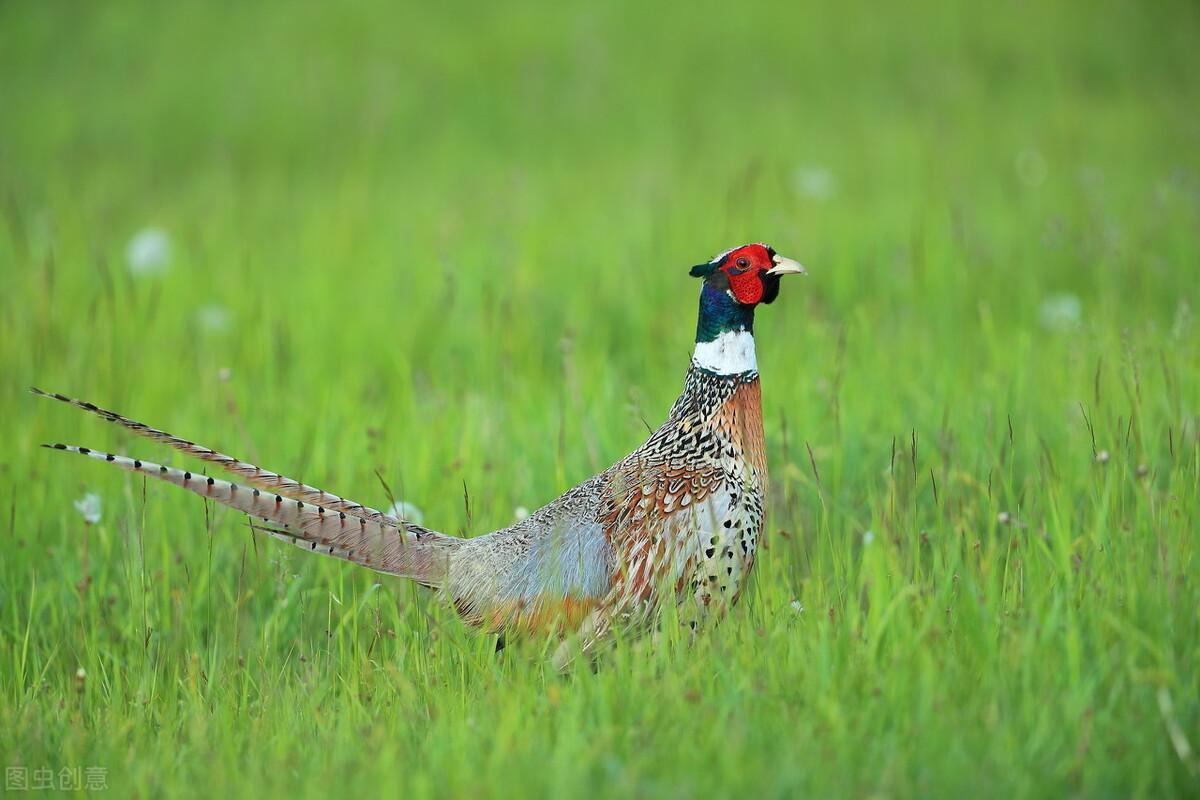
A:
(785, 266)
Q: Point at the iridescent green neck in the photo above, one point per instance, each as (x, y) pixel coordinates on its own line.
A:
(720, 313)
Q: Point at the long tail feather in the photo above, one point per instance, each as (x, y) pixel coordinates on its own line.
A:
(397, 548)
(253, 475)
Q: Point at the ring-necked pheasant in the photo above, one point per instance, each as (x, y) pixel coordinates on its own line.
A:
(677, 520)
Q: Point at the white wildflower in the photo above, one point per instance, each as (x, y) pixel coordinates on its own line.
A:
(797, 606)
(89, 507)
(406, 511)
(868, 537)
(1060, 312)
(520, 513)
(148, 252)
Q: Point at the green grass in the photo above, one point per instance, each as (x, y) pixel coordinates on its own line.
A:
(452, 245)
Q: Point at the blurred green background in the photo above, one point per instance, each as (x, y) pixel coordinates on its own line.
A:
(449, 244)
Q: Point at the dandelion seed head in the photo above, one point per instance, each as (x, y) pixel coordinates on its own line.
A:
(148, 252)
(1060, 312)
(213, 318)
(1031, 167)
(815, 182)
(88, 507)
(402, 509)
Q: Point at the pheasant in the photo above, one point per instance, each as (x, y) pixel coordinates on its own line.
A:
(677, 520)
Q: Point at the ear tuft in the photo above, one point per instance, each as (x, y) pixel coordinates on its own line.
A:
(702, 270)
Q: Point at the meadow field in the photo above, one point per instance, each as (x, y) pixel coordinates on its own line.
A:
(439, 254)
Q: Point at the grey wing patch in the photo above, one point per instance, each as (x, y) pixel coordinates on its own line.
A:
(561, 550)
(566, 558)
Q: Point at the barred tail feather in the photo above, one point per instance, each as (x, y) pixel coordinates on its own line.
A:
(397, 548)
(253, 475)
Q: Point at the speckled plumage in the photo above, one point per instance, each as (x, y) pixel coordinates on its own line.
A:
(678, 520)
(682, 516)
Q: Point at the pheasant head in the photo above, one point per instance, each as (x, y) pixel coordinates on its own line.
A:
(735, 283)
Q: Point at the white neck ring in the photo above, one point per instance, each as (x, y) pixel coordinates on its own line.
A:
(731, 353)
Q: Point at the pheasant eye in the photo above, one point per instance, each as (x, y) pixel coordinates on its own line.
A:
(743, 263)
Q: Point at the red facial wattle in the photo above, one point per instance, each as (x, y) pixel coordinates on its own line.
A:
(747, 287)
